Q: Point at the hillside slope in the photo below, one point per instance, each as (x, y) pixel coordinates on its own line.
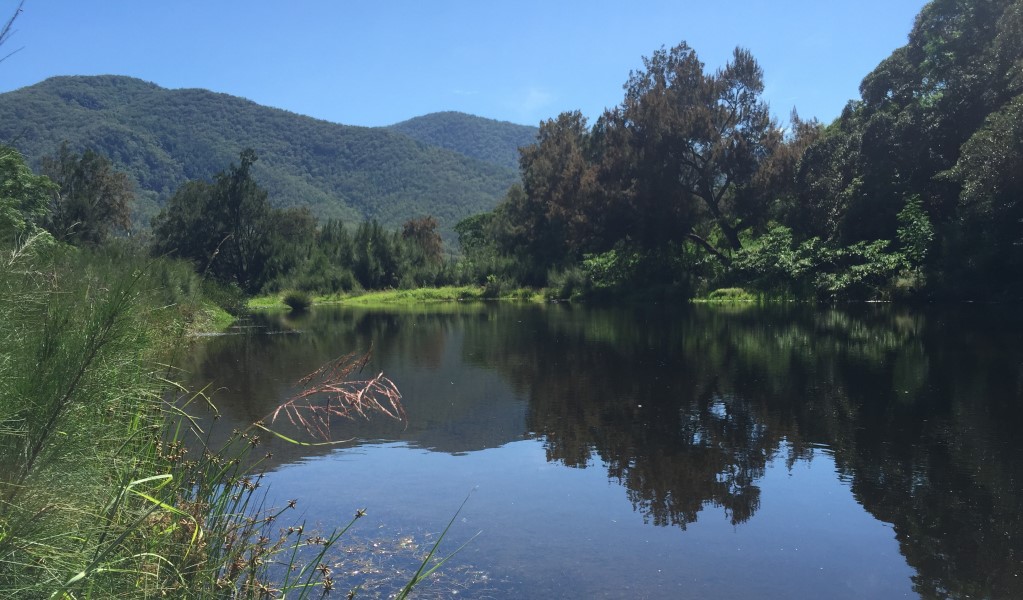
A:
(163, 138)
(488, 140)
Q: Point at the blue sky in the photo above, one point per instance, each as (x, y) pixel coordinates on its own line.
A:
(379, 62)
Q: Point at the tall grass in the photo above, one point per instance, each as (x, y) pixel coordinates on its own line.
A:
(74, 397)
(108, 487)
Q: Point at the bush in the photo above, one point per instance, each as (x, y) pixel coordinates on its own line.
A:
(297, 300)
(570, 283)
(731, 295)
(493, 287)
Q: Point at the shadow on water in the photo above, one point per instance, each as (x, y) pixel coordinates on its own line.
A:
(686, 408)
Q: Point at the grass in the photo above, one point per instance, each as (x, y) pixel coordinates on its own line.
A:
(108, 487)
(417, 296)
(728, 296)
(427, 295)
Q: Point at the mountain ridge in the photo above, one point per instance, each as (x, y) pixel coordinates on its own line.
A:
(489, 140)
(163, 137)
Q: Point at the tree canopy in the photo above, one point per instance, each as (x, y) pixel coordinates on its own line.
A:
(92, 199)
(24, 198)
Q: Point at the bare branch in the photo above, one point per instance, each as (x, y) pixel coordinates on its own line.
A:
(7, 31)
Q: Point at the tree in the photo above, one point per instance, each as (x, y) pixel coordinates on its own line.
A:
(521, 230)
(335, 242)
(938, 120)
(687, 145)
(559, 177)
(93, 199)
(474, 234)
(422, 235)
(226, 227)
(24, 197)
(376, 256)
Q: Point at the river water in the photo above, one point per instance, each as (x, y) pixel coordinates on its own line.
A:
(866, 451)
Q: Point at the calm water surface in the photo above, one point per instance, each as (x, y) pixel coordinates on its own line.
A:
(781, 452)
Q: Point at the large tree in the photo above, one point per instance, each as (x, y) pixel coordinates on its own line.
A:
(426, 245)
(686, 145)
(226, 227)
(24, 197)
(93, 199)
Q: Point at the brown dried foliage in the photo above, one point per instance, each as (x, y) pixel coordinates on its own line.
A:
(328, 394)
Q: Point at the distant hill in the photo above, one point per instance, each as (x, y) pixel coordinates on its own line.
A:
(163, 138)
(488, 140)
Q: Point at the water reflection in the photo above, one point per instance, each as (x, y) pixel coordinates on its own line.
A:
(686, 408)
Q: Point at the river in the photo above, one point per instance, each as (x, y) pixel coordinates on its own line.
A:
(864, 451)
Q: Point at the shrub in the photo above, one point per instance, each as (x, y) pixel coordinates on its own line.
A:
(297, 300)
(567, 284)
(731, 295)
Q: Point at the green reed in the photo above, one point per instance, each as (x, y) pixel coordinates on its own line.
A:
(109, 488)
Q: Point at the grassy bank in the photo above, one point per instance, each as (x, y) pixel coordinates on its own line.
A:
(108, 489)
(402, 297)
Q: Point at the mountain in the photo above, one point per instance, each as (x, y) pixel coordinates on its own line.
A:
(164, 137)
(488, 140)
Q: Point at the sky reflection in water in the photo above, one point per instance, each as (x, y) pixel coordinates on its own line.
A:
(773, 453)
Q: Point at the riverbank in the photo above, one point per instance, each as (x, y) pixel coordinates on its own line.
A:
(431, 295)
(398, 297)
(109, 487)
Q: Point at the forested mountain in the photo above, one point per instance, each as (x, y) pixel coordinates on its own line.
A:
(484, 139)
(163, 138)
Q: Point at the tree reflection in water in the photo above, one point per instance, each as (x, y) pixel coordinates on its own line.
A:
(686, 408)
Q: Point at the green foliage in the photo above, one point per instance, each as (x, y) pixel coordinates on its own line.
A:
(423, 244)
(92, 200)
(914, 189)
(473, 234)
(571, 283)
(163, 138)
(104, 491)
(375, 256)
(76, 402)
(24, 198)
(685, 146)
(417, 296)
(685, 159)
(915, 233)
(775, 263)
(228, 229)
(297, 300)
(227, 296)
(487, 140)
(730, 295)
(938, 120)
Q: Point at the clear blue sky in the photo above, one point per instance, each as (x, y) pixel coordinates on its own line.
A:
(378, 62)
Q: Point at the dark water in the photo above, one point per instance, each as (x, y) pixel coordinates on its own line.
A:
(782, 452)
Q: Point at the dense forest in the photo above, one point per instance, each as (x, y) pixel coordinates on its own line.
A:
(490, 141)
(162, 138)
(687, 187)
